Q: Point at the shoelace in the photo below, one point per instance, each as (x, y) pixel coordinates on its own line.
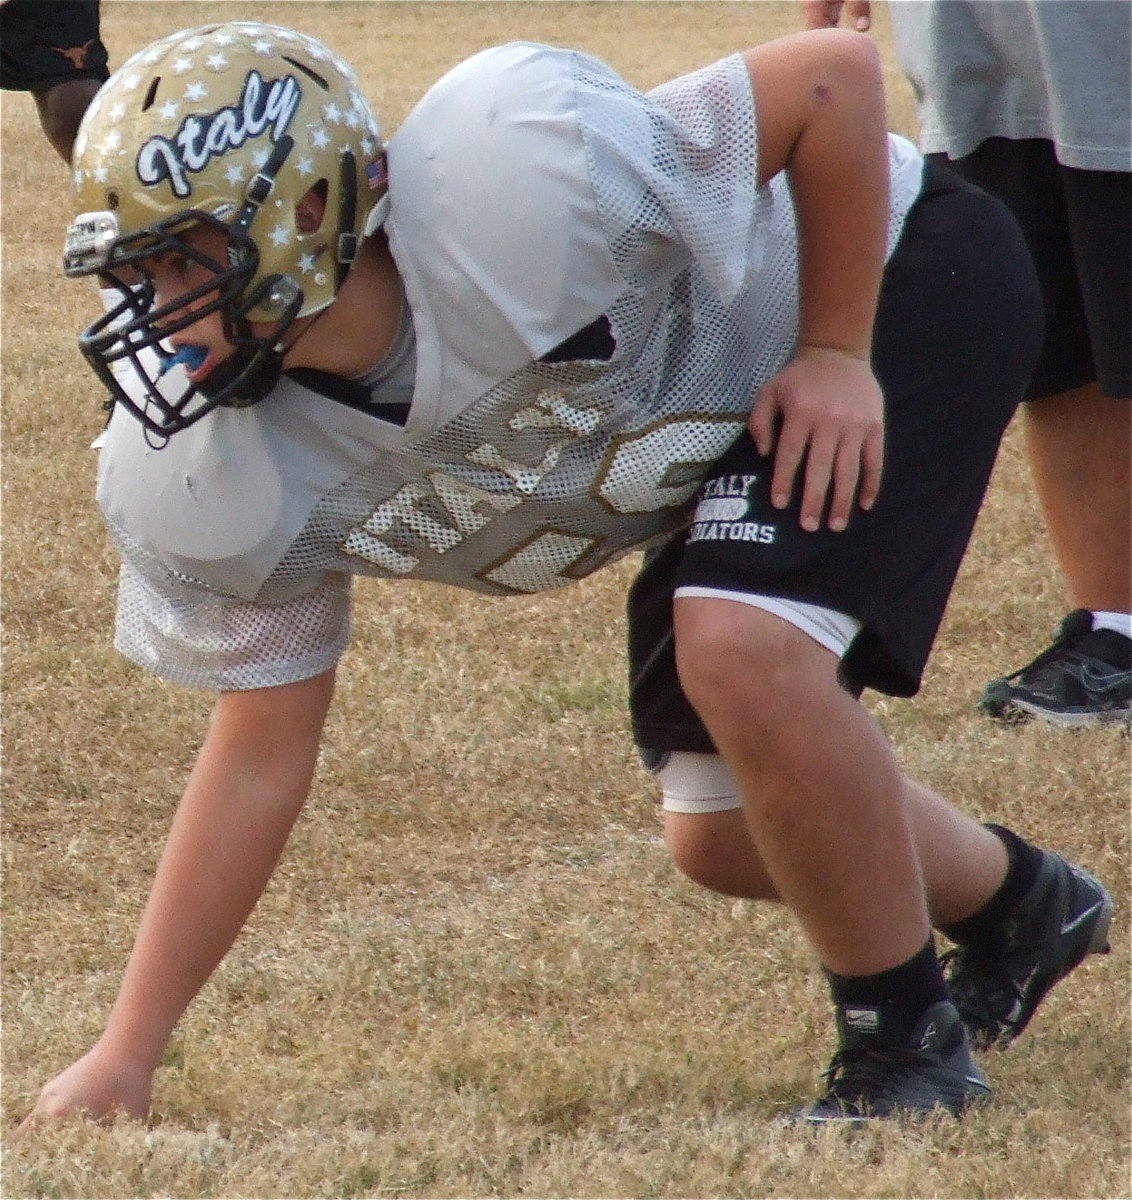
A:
(1061, 647)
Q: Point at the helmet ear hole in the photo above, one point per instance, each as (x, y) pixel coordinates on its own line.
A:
(310, 212)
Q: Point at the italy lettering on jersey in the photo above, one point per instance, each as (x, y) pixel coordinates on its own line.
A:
(548, 476)
(557, 490)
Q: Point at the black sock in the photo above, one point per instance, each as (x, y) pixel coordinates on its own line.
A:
(901, 993)
(984, 927)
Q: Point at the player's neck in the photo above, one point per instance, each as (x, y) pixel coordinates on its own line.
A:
(356, 331)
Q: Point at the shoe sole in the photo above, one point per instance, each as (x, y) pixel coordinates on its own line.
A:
(979, 1095)
(1014, 712)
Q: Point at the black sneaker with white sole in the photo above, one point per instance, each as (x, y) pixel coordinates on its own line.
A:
(879, 1072)
(1083, 678)
(1062, 918)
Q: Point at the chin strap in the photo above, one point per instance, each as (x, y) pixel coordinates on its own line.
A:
(261, 185)
(377, 216)
(255, 370)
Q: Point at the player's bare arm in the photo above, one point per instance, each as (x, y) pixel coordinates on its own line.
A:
(250, 781)
(821, 119)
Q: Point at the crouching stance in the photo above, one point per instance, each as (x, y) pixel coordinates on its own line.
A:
(732, 320)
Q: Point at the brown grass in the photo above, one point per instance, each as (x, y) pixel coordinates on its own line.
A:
(475, 972)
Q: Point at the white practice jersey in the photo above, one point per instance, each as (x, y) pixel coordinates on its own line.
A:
(597, 289)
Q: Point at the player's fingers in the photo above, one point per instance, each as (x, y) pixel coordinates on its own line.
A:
(27, 1126)
(859, 14)
(872, 467)
(820, 14)
(39, 1118)
(760, 423)
(845, 480)
(788, 455)
(819, 473)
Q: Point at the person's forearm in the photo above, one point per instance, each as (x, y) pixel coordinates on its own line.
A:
(229, 832)
(220, 855)
(819, 101)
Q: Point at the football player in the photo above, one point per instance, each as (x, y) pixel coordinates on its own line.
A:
(553, 320)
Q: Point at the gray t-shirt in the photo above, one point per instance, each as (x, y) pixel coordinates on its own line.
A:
(1055, 69)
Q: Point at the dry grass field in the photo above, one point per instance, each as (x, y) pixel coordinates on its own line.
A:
(475, 973)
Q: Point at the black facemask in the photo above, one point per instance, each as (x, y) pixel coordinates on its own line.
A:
(135, 333)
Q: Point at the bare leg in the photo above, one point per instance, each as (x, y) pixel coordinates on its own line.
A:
(824, 799)
(1080, 445)
(716, 851)
(61, 110)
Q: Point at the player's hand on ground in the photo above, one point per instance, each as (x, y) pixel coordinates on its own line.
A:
(825, 14)
(832, 431)
(98, 1086)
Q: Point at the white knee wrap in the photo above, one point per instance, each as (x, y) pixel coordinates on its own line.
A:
(697, 783)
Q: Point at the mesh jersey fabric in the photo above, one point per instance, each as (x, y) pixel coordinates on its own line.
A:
(532, 191)
(1054, 69)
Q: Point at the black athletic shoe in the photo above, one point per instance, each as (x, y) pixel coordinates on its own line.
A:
(1083, 678)
(876, 1074)
(1063, 917)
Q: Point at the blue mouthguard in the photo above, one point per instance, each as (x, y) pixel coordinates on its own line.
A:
(192, 356)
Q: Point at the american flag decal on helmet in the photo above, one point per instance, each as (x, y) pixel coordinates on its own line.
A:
(376, 174)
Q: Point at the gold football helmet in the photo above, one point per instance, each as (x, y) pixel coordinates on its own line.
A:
(228, 125)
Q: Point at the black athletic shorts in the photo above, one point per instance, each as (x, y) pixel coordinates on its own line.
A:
(1078, 225)
(958, 329)
(47, 42)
